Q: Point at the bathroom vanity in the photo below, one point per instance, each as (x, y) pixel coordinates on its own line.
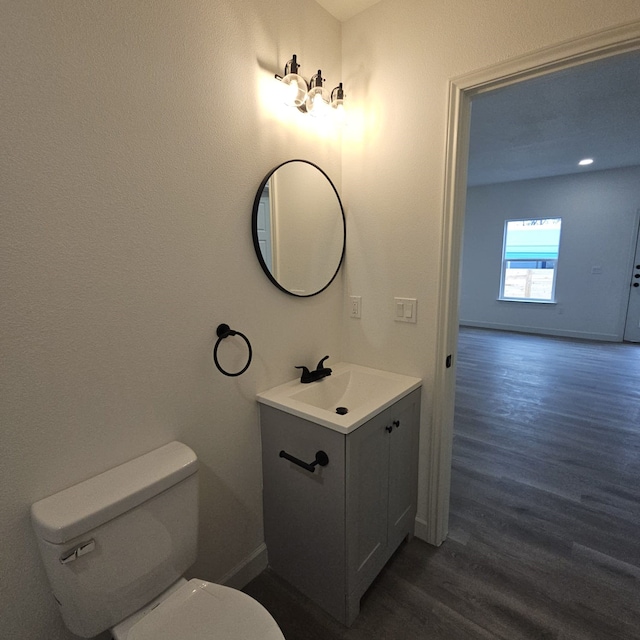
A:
(330, 529)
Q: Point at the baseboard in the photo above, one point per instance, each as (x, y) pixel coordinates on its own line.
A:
(422, 532)
(561, 333)
(246, 570)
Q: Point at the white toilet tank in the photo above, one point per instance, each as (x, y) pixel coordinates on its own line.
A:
(112, 543)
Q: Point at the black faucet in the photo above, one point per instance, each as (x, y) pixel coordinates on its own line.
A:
(311, 376)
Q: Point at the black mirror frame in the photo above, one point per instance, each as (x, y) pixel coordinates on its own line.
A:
(254, 229)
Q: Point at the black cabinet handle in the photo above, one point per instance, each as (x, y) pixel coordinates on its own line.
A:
(395, 423)
(322, 459)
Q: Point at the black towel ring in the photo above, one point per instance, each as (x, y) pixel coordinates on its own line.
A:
(224, 331)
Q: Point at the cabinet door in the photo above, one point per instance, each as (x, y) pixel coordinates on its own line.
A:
(304, 512)
(366, 500)
(403, 468)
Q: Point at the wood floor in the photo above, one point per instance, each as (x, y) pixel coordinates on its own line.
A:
(545, 508)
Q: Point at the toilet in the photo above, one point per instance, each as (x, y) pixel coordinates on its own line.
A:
(115, 547)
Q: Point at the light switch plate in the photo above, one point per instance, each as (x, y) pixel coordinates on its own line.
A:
(405, 309)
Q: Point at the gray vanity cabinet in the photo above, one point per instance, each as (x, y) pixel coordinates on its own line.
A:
(330, 532)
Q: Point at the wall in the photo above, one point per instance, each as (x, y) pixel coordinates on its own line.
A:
(398, 58)
(599, 222)
(133, 142)
(134, 137)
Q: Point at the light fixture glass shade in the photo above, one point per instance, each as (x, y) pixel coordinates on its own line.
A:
(337, 101)
(317, 99)
(317, 104)
(337, 97)
(295, 92)
(295, 86)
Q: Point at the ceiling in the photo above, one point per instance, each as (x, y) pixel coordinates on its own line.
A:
(544, 126)
(345, 9)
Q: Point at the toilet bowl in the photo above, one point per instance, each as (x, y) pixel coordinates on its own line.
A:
(200, 610)
(115, 547)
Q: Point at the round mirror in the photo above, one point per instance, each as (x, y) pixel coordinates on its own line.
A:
(299, 228)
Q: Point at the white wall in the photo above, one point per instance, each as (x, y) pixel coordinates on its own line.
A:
(133, 140)
(134, 136)
(398, 58)
(599, 221)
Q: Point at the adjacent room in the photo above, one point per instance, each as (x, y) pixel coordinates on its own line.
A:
(547, 426)
(558, 149)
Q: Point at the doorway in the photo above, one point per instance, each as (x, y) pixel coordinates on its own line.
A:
(598, 46)
(560, 149)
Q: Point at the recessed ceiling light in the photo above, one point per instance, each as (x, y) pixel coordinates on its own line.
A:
(585, 162)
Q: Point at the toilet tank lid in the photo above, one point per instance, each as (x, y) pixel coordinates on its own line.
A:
(85, 506)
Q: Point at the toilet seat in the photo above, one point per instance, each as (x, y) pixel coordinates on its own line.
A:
(200, 610)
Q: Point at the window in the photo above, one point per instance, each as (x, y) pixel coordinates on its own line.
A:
(530, 260)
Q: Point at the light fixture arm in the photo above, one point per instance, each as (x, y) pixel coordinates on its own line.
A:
(316, 81)
(337, 93)
(292, 66)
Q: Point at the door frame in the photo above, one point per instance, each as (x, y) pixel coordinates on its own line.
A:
(602, 44)
(632, 270)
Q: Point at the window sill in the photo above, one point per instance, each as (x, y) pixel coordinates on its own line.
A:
(526, 300)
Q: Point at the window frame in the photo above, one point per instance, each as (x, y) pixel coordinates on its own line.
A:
(503, 267)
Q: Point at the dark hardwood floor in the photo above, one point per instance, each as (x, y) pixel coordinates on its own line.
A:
(544, 536)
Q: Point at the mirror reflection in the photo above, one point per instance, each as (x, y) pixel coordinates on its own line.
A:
(298, 228)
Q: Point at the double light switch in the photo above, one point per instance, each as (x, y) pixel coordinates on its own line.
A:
(405, 309)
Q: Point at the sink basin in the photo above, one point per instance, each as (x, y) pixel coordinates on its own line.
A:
(362, 391)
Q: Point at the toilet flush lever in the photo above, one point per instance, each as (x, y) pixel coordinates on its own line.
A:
(79, 550)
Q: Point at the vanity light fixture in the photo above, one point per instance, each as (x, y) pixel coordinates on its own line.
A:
(309, 97)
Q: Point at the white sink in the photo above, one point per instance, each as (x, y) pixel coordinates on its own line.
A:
(364, 392)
